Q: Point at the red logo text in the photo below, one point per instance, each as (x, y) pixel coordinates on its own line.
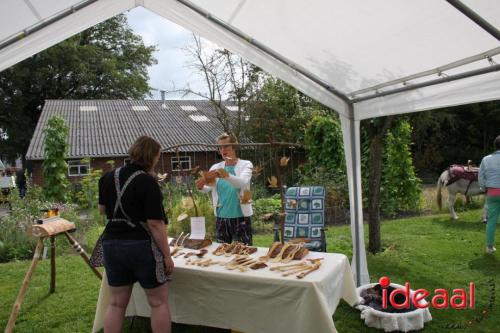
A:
(460, 298)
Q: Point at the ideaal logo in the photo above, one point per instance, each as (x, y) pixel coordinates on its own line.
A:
(440, 299)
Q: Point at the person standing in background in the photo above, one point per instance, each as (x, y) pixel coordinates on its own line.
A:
(489, 181)
(233, 215)
(21, 182)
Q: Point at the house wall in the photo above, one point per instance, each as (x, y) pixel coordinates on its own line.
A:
(202, 159)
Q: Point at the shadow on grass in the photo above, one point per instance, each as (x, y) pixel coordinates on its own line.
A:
(142, 325)
(487, 264)
(459, 224)
(35, 304)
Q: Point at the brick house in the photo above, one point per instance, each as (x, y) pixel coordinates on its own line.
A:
(103, 130)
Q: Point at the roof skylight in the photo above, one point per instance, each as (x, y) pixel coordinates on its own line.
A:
(88, 108)
(188, 107)
(199, 117)
(140, 108)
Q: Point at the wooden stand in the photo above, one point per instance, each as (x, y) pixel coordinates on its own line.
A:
(49, 227)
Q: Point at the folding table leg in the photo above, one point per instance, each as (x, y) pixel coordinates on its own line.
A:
(24, 287)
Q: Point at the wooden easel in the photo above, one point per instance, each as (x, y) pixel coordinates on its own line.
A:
(49, 227)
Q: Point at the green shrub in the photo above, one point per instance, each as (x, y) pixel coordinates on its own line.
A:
(88, 195)
(54, 166)
(91, 234)
(263, 206)
(325, 164)
(259, 190)
(17, 243)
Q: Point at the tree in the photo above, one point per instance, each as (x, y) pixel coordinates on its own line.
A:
(105, 61)
(54, 167)
(454, 135)
(400, 186)
(323, 139)
(325, 158)
(228, 77)
(276, 113)
(375, 129)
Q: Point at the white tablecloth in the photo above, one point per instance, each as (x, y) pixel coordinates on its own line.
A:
(256, 301)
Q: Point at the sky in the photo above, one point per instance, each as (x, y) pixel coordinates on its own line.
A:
(172, 70)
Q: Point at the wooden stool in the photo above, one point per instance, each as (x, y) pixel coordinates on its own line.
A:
(49, 227)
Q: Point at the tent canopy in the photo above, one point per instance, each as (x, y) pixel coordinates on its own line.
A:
(362, 58)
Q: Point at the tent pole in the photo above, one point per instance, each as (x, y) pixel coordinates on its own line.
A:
(406, 79)
(350, 134)
(355, 184)
(45, 23)
(476, 18)
(475, 72)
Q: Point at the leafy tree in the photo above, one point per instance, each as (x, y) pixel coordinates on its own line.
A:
(54, 167)
(277, 114)
(375, 130)
(454, 135)
(325, 158)
(400, 186)
(387, 168)
(105, 61)
(323, 139)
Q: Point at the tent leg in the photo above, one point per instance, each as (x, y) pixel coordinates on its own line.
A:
(351, 136)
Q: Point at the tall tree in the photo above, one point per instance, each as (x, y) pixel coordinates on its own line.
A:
(401, 188)
(227, 77)
(105, 61)
(54, 164)
(276, 113)
(375, 129)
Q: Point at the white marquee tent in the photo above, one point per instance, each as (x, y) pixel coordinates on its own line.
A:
(362, 58)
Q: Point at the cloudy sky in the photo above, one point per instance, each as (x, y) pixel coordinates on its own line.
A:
(169, 38)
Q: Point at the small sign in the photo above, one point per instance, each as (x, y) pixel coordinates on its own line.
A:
(198, 227)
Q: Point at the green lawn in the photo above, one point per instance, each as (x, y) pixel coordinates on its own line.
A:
(430, 252)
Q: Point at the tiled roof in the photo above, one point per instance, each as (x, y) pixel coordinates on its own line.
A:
(106, 128)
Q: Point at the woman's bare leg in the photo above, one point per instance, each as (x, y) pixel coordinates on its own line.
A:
(115, 313)
(160, 312)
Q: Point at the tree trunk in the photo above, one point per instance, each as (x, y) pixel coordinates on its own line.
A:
(378, 130)
(375, 180)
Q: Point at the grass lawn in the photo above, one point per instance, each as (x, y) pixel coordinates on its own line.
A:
(430, 252)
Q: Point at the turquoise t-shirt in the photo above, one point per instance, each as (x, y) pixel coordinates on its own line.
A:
(229, 200)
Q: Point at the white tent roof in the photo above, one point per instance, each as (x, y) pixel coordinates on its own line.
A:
(339, 52)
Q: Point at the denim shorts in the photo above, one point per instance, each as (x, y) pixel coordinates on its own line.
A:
(129, 261)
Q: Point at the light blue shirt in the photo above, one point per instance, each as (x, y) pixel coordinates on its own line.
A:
(489, 171)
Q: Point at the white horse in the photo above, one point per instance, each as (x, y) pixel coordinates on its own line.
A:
(462, 186)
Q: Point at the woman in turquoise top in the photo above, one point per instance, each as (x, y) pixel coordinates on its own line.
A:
(489, 180)
(233, 221)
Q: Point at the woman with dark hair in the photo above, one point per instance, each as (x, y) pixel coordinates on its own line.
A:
(135, 246)
(489, 180)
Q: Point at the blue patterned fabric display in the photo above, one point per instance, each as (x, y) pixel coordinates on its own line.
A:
(305, 214)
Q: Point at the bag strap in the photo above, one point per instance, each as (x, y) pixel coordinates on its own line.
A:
(119, 195)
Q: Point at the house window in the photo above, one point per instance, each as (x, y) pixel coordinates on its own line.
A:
(181, 163)
(126, 161)
(78, 168)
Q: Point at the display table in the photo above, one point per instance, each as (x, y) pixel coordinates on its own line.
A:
(256, 301)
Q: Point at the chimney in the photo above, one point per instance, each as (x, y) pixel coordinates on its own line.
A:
(162, 97)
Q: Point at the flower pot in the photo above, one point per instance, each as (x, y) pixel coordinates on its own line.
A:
(398, 321)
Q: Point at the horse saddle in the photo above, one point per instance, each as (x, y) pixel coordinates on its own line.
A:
(458, 171)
